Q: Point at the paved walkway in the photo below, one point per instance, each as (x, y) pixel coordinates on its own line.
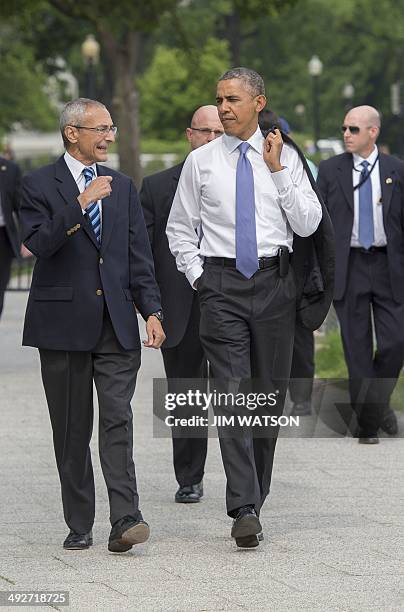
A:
(334, 524)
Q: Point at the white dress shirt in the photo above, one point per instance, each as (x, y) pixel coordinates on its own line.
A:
(76, 168)
(378, 225)
(206, 196)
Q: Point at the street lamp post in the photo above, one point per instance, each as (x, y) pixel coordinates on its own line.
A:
(315, 67)
(90, 50)
(348, 93)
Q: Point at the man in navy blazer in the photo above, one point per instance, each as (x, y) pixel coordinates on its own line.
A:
(10, 182)
(85, 225)
(363, 190)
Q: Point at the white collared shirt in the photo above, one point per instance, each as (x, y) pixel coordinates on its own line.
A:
(379, 233)
(206, 196)
(76, 168)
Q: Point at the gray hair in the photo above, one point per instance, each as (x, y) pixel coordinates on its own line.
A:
(251, 79)
(73, 114)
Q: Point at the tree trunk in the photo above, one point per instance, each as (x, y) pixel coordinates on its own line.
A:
(125, 100)
(125, 108)
(233, 35)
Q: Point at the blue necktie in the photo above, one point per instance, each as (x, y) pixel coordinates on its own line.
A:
(93, 209)
(366, 229)
(246, 236)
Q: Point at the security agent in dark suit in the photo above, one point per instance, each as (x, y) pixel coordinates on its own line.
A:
(85, 225)
(182, 350)
(10, 183)
(364, 193)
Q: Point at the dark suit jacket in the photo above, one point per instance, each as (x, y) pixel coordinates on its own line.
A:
(10, 184)
(313, 261)
(65, 308)
(335, 183)
(156, 195)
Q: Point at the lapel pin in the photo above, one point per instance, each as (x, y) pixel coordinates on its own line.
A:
(3, 168)
(389, 181)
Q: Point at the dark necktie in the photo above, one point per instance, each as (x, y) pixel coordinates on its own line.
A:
(366, 227)
(93, 209)
(246, 236)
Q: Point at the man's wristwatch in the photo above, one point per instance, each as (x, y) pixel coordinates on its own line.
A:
(158, 314)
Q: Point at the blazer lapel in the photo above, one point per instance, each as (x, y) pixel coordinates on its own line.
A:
(69, 191)
(387, 180)
(109, 208)
(344, 176)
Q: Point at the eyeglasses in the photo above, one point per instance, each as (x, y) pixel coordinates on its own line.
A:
(354, 129)
(207, 131)
(101, 129)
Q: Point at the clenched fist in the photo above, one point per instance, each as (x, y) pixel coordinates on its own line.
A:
(98, 189)
(272, 151)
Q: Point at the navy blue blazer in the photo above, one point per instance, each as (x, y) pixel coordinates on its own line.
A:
(335, 184)
(73, 275)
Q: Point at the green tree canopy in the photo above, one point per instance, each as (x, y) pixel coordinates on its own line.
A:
(174, 86)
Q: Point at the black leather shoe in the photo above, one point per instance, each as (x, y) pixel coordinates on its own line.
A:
(301, 409)
(246, 526)
(389, 424)
(190, 494)
(78, 541)
(368, 439)
(126, 532)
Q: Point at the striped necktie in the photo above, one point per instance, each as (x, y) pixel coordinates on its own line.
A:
(93, 210)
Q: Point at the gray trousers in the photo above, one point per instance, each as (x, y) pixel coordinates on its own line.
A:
(68, 382)
(247, 328)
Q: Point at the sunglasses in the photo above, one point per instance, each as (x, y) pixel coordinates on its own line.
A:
(354, 129)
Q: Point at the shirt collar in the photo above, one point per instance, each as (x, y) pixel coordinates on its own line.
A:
(76, 167)
(255, 141)
(357, 159)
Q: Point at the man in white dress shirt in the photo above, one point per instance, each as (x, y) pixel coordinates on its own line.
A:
(249, 196)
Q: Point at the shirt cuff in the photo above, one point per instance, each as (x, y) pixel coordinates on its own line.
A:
(194, 273)
(282, 179)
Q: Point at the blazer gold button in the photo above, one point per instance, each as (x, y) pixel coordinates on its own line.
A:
(68, 232)
(101, 260)
(99, 292)
(78, 226)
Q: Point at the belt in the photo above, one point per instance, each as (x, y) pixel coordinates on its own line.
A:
(372, 249)
(227, 262)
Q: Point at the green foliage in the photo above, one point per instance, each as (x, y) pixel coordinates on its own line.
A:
(23, 98)
(330, 361)
(176, 84)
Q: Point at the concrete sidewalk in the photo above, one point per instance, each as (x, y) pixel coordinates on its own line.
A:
(334, 524)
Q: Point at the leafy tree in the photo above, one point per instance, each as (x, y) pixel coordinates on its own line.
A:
(174, 86)
(23, 99)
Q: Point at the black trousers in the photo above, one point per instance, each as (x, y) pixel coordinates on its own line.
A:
(372, 373)
(302, 371)
(247, 328)
(187, 361)
(6, 257)
(68, 381)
